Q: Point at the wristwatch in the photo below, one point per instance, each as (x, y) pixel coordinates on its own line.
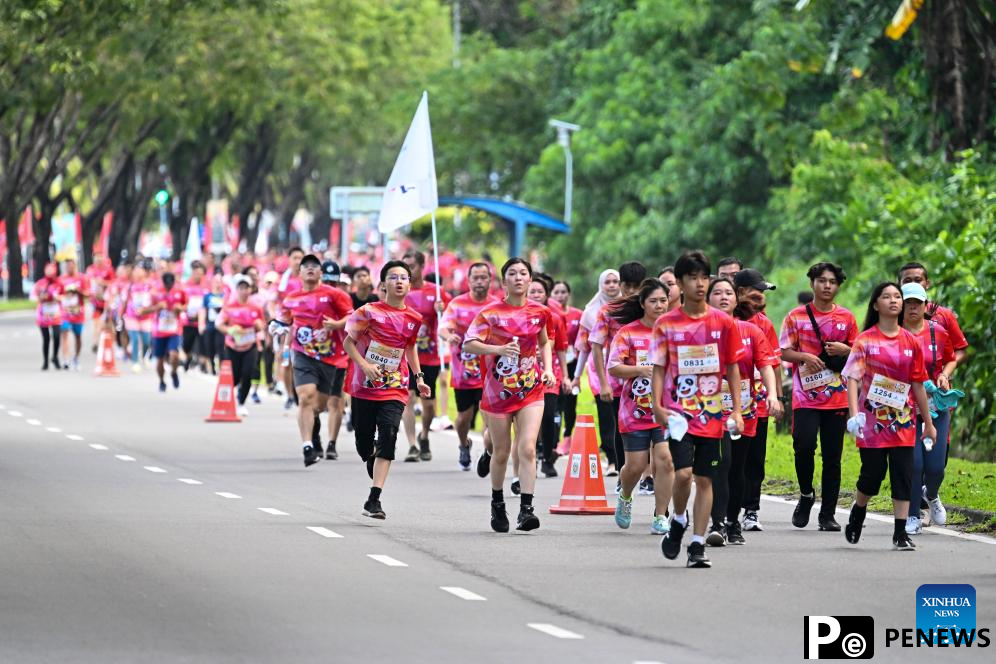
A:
(420, 375)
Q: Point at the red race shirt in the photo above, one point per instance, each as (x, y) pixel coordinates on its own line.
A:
(465, 368)
(48, 292)
(308, 309)
(887, 368)
(949, 320)
(423, 300)
(573, 318)
(166, 322)
(195, 302)
(823, 390)
(760, 393)
(631, 347)
(74, 294)
(245, 316)
(602, 332)
(556, 331)
(938, 352)
(139, 297)
(510, 384)
(695, 353)
(757, 354)
(382, 334)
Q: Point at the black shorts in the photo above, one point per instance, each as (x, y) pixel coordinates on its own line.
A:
(876, 461)
(325, 377)
(376, 425)
(431, 376)
(467, 399)
(700, 454)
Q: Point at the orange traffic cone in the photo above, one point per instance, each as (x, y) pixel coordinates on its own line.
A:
(584, 488)
(105, 358)
(223, 409)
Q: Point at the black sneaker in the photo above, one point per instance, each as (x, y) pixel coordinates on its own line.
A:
(162, 385)
(527, 519)
(464, 458)
(412, 455)
(56, 365)
(671, 543)
(372, 509)
(424, 453)
(330, 452)
(176, 380)
(548, 469)
(733, 533)
(716, 536)
(828, 523)
(319, 451)
(499, 518)
(852, 531)
(697, 556)
(516, 487)
(903, 543)
(800, 517)
(310, 457)
(484, 464)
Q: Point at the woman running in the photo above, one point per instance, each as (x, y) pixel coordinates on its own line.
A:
(885, 374)
(539, 292)
(510, 334)
(629, 361)
(568, 404)
(939, 356)
(242, 324)
(47, 292)
(138, 324)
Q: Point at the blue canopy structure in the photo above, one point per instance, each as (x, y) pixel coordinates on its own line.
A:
(519, 217)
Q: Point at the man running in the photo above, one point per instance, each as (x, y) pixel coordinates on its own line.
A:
(194, 287)
(168, 304)
(332, 276)
(74, 287)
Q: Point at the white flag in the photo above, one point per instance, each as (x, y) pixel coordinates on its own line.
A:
(411, 190)
(192, 252)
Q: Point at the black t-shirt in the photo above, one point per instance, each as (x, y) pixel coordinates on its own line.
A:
(357, 302)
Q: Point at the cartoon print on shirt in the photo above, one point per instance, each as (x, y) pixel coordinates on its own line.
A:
(642, 397)
(471, 365)
(315, 342)
(685, 391)
(887, 417)
(517, 377)
(711, 401)
(423, 342)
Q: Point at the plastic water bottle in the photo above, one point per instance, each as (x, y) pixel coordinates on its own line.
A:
(731, 426)
(928, 444)
(515, 358)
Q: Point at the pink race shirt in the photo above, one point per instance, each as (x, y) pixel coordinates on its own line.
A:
(695, 353)
(245, 316)
(949, 320)
(74, 294)
(757, 354)
(510, 384)
(602, 332)
(771, 336)
(631, 347)
(195, 302)
(423, 300)
(47, 292)
(936, 352)
(556, 331)
(382, 334)
(308, 309)
(573, 318)
(887, 368)
(139, 297)
(166, 322)
(582, 346)
(822, 390)
(466, 368)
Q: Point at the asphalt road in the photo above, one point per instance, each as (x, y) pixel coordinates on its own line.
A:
(132, 530)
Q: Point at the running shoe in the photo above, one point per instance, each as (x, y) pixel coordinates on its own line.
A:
(372, 509)
(671, 544)
(800, 516)
(55, 364)
(412, 455)
(527, 519)
(516, 487)
(697, 556)
(255, 398)
(618, 488)
(162, 387)
(716, 536)
(499, 518)
(733, 533)
(852, 531)
(330, 452)
(938, 515)
(424, 453)
(624, 512)
(646, 487)
(828, 523)
(242, 411)
(76, 364)
(309, 456)
(660, 525)
(751, 523)
(288, 404)
(548, 469)
(484, 464)
(903, 542)
(319, 452)
(914, 526)
(612, 472)
(464, 458)
(176, 380)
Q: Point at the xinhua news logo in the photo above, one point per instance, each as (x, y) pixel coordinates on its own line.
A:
(840, 637)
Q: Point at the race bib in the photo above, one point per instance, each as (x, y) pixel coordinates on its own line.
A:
(50, 309)
(245, 338)
(143, 300)
(71, 302)
(643, 358)
(814, 380)
(385, 356)
(885, 391)
(698, 359)
(744, 394)
(167, 322)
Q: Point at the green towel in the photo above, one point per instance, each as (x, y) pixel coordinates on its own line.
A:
(942, 399)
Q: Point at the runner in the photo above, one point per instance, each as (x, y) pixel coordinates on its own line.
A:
(939, 356)
(885, 374)
(381, 340)
(194, 288)
(168, 304)
(312, 316)
(629, 361)
(74, 289)
(539, 292)
(290, 282)
(758, 358)
(363, 290)
(422, 298)
(510, 334)
(466, 376)
(335, 406)
(694, 346)
(728, 268)
(568, 403)
(137, 323)
(212, 341)
(242, 324)
(100, 274)
(916, 273)
(817, 338)
(47, 292)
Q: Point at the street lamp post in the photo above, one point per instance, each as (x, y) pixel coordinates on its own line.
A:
(564, 131)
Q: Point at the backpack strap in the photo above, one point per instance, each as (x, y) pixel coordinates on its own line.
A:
(816, 327)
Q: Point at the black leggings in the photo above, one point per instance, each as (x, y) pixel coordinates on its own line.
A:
(830, 425)
(213, 345)
(47, 333)
(568, 404)
(242, 368)
(549, 434)
(757, 450)
(607, 414)
(268, 364)
(728, 481)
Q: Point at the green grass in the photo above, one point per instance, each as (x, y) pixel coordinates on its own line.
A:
(16, 305)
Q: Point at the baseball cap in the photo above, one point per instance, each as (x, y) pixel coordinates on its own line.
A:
(330, 271)
(749, 278)
(912, 291)
(345, 279)
(271, 277)
(241, 279)
(311, 258)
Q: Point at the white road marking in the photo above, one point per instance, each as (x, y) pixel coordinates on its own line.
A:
(386, 560)
(646, 661)
(124, 457)
(187, 480)
(154, 469)
(463, 593)
(53, 429)
(73, 436)
(272, 510)
(34, 423)
(225, 494)
(325, 532)
(98, 446)
(553, 630)
(14, 413)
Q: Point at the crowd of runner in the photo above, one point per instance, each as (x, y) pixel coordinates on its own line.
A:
(684, 366)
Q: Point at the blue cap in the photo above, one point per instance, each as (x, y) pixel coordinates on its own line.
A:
(914, 291)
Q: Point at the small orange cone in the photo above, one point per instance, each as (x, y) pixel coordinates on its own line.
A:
(584, 488)
(223, 409)
(105, 357)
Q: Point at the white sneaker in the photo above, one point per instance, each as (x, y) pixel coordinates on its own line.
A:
(750, 522)
(243, 411)
(914, 526)
(938, 515)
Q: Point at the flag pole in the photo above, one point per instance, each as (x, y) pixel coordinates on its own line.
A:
(439, 278)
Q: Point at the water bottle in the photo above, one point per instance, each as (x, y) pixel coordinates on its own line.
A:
(928, 444)
(731, 426)
(515, 358)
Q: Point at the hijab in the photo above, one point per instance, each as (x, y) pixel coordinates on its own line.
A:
(600, 299)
